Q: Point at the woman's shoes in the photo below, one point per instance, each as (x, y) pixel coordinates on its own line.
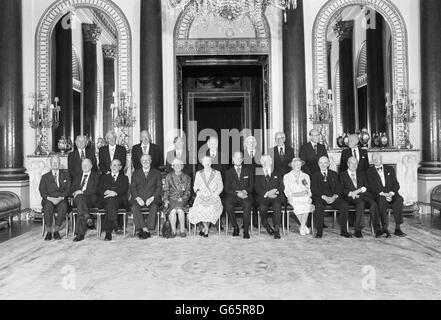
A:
(205, 235)
(307, 231)
(302, 231)
(201, 233)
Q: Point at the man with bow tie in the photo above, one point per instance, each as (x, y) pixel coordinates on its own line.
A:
(269, 189)
(113, 191)
(282, 153)
(354, 151)
(355, 192)
(146, 190)
(75, 158)
(54, 189)
(239, 184)
(84, 191)
(384, 185)
(326, 190)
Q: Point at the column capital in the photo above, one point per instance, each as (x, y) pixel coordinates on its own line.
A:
(344, 29)
(110, 51)
(91, 32)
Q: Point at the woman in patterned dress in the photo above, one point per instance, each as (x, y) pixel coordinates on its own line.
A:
(177, 191)
(207, 207)
(298, 192)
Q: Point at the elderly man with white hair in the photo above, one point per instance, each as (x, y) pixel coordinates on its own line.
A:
(269, 188)
(84, 191)
(147, 147)
(112, 151)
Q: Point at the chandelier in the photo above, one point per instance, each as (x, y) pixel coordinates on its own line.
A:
(230, 15)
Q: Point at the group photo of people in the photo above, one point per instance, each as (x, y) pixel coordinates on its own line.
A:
(255, 185)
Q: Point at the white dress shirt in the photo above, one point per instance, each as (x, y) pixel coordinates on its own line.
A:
(87, 180)
(381, 174)
(112, 152)
(146, 147)
(56, 175)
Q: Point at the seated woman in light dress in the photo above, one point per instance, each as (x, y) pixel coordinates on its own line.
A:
(177, 191)
(298, 192)
(207, 207)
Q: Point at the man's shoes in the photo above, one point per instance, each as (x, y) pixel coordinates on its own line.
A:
(269, 230)
(90, 224)
(358, 234)
(236, 232)
(276, 235)
(143, 235)
(386, 232)
(319, 234)
(78, 238)
(108, 236)
(57, 235)
(246, 235)
(346, 234)
(399, 233)
(48, 236)
(378, 234)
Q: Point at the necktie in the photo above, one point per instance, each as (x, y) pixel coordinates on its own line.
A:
(83, 183)
(252, 154)
(144, 149)
(238, 170)
(82, 155)
(282, 152)
(325, 175)
(112, 153)
(146, 173)
(115, 177)
(315, 149)
(355, 153)
(354, 179)
(56, 179)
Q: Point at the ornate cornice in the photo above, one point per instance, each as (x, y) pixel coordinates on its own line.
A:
(91, 32)
(110, 51)
(222, 46)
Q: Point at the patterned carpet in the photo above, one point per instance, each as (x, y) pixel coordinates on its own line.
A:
(224, 267)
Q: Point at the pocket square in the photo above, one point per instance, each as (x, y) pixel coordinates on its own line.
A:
(64, 181)
(245, 177)
(275, 177)
(388, 174)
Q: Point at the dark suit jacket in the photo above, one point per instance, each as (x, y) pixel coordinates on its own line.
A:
(363, 164)
(120, 186)
(104, 158)
(253, 162)
(280, 164)
(48, 187)
(146, 187)
(74, 162)
(261, 186)
(311, 159)
(171, 155)
(319, 186)
(348, 185)
(92, 185)
(374, 181)
(154, 152)
(233, 183)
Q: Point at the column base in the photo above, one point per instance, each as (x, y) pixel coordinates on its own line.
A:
(430, 168)
(426, 183)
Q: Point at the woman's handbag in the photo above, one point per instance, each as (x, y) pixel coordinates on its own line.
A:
(166, 228)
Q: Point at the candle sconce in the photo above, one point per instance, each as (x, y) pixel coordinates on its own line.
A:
(43, 116)
(122, 110)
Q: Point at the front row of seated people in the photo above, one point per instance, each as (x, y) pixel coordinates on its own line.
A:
(377, 191)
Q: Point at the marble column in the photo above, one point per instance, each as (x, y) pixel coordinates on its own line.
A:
(11, 92)
(294, 87)
(63, 84)
(109, 53)
(375, 73)
(345, 30)
(151, 96)
(91, 34)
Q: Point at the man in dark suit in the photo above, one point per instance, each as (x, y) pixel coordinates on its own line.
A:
(354, 151)
(179, 152)
(113, 190)
(282, 154)
(355, 192)
(146, 192)
(75, 158)
(84, 191)
(384, 186)
(54, 189)
(251, 154)
(269, 189)
(311, 152)
(238, 186)
(326, 190)
(112, 151)
(146, 147)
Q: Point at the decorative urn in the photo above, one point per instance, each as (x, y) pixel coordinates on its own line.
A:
(384, 140)
(364, 137)
(340, 142)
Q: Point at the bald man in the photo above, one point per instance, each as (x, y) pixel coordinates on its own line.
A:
(84, 191)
